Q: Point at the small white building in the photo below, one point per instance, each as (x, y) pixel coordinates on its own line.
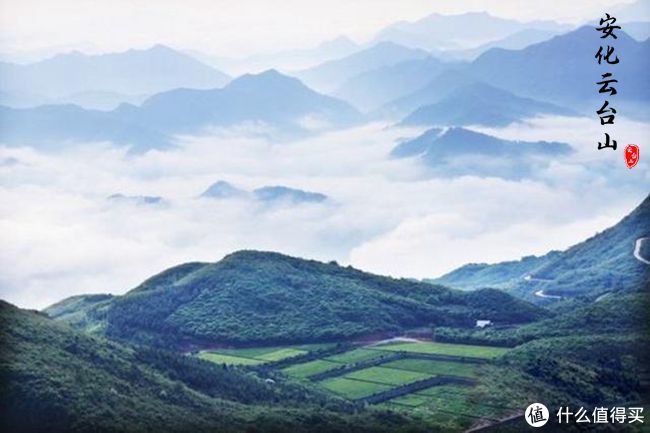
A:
(483, 323)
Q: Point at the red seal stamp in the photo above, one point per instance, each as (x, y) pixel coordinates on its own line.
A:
(631, 155)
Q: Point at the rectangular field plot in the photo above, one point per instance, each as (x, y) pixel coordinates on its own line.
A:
(434, 367)
(387, 376)
(356, 355)
(280, 354)
(310, 368)
(453, 399)
(221, 358)
(485, 352)
(353, 389)
(258, 355)
(410, 400)
(443, 390)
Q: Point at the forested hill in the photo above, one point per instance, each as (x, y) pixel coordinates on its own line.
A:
(601, 264)
(261, 297)
(58, 380)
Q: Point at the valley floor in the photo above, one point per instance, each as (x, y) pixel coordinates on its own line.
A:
(438, 381)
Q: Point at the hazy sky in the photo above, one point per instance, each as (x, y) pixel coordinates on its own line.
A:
(239, 27)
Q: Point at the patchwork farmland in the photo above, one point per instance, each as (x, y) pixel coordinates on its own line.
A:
(436, 380)
(258, 355)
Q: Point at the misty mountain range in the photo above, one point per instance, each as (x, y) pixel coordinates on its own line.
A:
(459, 151)
(586, 269)
(481, 104)
(176, 94)
(293, 59)
(330, 75)
(268, 194)
(262, 341)
(457, 31)
(267, 98)
(563, 70)
(98, 80)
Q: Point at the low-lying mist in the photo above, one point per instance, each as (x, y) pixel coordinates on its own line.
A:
(61, 235)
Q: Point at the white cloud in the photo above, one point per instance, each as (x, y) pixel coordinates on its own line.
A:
(60, 236)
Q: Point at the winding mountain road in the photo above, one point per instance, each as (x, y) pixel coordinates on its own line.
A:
(637, 250)
(541, 294)
(637, 255)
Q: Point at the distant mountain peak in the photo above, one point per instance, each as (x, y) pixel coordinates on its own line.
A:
(441, 151)
(223, 189)
(479, 103)
(268, 78)
(338, 42)
(136, 199)
(161, 47)
(283, 193)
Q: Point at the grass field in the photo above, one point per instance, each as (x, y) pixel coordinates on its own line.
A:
(387, 376)
(310, 368)
(410, 400)
(459, 404)
(485, 352)
(352, 389)
(257, 355)
(443, 390)
(434, 367)
(450, 399)
(280, 354)
(451, 407)
(221, 358)
(356, 355)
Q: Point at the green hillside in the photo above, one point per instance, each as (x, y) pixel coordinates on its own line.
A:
(48, 371)
(618, 314)
(502, 275)
(55, 379)
(259, 297)
(80, 311)
(601, 264)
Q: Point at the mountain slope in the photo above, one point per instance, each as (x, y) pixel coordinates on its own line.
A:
(441, 86)
(134, 72)
(56, 379)
(270, 98)
(222, 189)
(287, 60)
(257, 297)
(54, 126)
(602, 264)
(372, 89)
(503, 276)
(330, 75)
(436, 31)
(481, 104)
(533, 72)
(283, 193)
(47, 372)
(459, 151)
(623, 314)
(267, 194)
(78, 310)
(515, 41)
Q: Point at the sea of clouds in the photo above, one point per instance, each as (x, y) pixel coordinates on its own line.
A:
(61, 236)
